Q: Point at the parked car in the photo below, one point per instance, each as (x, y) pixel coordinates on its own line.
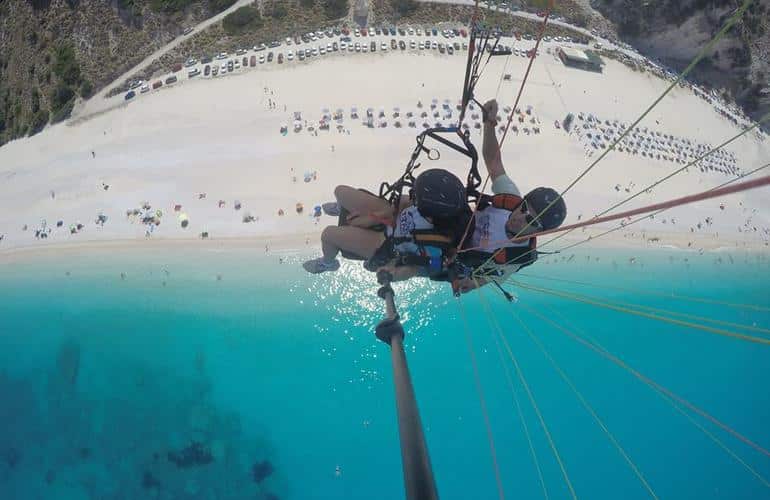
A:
(402, 45)
(412, 44)
(270, 56)
(190, 62)
(262, 59)
(253, 61)
(136, 84)
(157, 85)
(358, 47)
(450, 50)
(288, 40)
(222, 56)
(328, 47)
(377, 30)
(322, 50)
(223, 68)
(230, 66)
(463, 33)
(187, 31)
(280, 58)
(441, 48)
(343, 46)
(335, 47)
(392, 31)
(275, 44)
(301, 55)
(237, 64)
(402, 31)
(240, 52)
(371, 31)
(171, 79)
(207, 70)
(145, 88)
(373, 46)
(176, 67)
(215, 70)
(193, 73)
(393, 43)
(290, 56)
(456, 45)
(259, 47)
(364, 32)
(384, 47)
(356, 32)
(345, 31)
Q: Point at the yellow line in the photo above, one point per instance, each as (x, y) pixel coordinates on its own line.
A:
(669, 398)
(658, 294)
(523, 380)
(674, 313)
(717, 331)
(585, 404)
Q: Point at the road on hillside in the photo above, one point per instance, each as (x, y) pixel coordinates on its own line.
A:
(97, 103)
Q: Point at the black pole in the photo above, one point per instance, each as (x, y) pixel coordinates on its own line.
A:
(418, 474)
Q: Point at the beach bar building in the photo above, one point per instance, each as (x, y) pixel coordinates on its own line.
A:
(582, 59)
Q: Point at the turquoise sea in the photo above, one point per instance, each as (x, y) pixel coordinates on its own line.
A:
(217, 373)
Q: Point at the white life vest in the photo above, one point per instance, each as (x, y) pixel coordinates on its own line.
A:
(408, 221)
(489, 232)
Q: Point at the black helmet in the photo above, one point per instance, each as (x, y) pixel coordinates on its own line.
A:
(538, 199)
(438, 193)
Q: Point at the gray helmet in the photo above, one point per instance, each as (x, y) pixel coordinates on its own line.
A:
(538, 199)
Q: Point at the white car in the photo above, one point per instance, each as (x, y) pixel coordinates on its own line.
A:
(422, 45)
(351, 48)
(262, 59)
(411, 31)
(321, 50)
(290, 55)
(223, 69)
(222, 55)
(145, 88)
(371, 32)
(288, 40)
(343, 46)
(384, 47)
(358, 47)
(314, 51)
(356, 32)
(328, 47)
(434, 45)
(412, 44)
(418, 31)
(237, 64)
(365, 48)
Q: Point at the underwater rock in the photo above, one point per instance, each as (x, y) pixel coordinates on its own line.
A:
(85, 453)
(50, 476)
(271, 496)
(12, 457)
(68, 363)
(149, 481)
(194, 455)
(218, 450)
(261, 471)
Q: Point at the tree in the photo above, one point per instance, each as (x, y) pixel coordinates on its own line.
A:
(404, 7)
(336, 9)
(279, 10)
(220, 5)
(244, 19)
(39, 121)
(307, 4)
(65, 64)
(86, 89)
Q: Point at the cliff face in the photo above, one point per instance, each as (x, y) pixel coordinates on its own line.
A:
(52, 51)
(674, 31)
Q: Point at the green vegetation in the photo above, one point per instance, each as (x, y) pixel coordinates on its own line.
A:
(405, 7)
(220, 5)
(244, 19)
(65, 65)
(335, 9)
(86, 89)
(39, 121)
(307, 4)
(278, 11)
(169, 5)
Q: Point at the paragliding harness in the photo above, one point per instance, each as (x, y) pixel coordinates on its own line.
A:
(436, 245)
(522, 256)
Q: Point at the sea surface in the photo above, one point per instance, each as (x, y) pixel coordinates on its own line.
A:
(216, 373)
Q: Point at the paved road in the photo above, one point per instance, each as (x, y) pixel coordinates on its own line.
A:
(96, 104)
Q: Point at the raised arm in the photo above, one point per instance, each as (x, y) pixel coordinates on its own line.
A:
(490, 148)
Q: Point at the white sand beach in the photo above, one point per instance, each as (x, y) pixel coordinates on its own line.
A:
(221, 136)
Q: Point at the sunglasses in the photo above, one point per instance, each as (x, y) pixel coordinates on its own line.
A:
(529, 217)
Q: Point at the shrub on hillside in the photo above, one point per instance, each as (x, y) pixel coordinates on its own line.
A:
(307, 4)
(39, 121)
(335, 9)
(244, 19)
(220, 5)
(404, 7)
(65, 64)
(86, 89)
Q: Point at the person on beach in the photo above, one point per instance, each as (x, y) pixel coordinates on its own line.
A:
(362, 216)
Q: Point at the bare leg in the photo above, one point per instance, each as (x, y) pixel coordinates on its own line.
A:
(362, 242)
(362, 204)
